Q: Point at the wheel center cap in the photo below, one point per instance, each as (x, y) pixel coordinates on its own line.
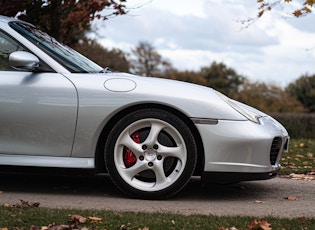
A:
(150, 155)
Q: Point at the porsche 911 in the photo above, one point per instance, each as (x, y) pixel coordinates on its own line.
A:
(151, 135)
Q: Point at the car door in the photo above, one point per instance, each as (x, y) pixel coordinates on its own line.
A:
(38, 110)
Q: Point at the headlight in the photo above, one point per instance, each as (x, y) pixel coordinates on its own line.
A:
(241, 108)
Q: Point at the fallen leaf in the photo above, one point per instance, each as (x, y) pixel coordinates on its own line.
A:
(173, 222)
(27, 204)
(94, 219)
(78, 218)
(33, 227)
(265, 225)
(296, 176)
(303, 218)
(259, 202)
(255, 225)
(308, 178)
(7, 205)
(291, 198)
(63, 227)
(145, 228)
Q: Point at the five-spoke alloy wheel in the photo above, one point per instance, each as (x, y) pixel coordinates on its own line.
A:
(150, 154)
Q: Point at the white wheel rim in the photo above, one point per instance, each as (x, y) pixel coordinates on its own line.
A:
(150, 155)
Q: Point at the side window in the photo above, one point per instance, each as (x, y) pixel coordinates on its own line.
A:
(7, 46)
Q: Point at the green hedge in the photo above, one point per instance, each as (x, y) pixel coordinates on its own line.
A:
(299, 125)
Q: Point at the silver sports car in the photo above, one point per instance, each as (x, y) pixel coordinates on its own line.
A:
(58, 109)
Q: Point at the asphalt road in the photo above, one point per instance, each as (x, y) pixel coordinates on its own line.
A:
(258, 198)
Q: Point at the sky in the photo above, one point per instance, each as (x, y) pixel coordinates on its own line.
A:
(275, 49)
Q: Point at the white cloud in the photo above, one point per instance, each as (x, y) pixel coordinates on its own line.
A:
(192, 34)
(180, 8)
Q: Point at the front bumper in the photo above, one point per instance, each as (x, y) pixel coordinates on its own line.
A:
(243, 148)
(234, 177)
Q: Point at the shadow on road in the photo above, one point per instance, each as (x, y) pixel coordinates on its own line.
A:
(102, 185)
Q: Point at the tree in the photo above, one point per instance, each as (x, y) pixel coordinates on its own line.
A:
(66, 20)
(303, 9)
(114, 59)
(222, 78)
(147, 61)
(268, 98)
(304, 90)
(195, 77)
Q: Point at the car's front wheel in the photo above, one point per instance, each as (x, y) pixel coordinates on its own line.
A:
(150, 154)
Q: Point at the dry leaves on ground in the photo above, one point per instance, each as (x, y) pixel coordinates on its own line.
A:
(254, 225)
(73, 224)
(309, 176)
(23, 203)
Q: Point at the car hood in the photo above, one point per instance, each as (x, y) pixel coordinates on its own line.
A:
(126, 89)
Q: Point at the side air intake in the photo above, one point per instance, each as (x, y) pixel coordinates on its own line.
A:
(275, 150)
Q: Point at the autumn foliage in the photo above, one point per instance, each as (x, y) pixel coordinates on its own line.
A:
(114, 59)
(66, 20)
(269, 98)
(306, 7)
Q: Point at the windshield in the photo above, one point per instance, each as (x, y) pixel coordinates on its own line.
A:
(69, 58)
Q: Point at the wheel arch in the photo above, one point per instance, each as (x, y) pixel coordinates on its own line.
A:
(99, 155)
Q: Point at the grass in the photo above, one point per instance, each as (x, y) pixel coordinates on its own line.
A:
(37, 218)
(298, 160)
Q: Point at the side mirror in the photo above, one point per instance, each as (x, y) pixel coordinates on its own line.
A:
(22, 60)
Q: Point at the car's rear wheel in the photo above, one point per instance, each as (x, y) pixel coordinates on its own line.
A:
(150, 154)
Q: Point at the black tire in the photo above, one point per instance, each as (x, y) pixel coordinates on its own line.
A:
(150, 154)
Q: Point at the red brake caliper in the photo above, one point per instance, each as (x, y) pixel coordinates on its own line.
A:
(129, 157)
